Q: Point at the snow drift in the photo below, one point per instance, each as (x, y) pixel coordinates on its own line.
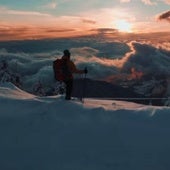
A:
(50, 133)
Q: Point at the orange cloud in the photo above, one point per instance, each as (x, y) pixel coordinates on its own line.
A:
(34, 32)
(167, 1)
(107, 32)
(135, 74)
(125, 1)
(88, 21)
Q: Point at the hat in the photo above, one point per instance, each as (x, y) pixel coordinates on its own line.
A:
(66, 52)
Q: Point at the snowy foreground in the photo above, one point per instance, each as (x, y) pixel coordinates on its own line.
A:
(50, 133)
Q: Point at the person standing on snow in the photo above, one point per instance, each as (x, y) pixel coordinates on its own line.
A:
(66, 71)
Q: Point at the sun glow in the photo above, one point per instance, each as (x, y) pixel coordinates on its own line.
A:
(123, 26)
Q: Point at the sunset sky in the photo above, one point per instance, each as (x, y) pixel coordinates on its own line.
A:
(32, 19)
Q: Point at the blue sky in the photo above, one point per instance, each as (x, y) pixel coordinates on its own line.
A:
(76, 16)
(61, 7)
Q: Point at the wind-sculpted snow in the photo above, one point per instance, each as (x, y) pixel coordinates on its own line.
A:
(51, 133)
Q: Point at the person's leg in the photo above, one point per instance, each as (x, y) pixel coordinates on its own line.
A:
(69, 87)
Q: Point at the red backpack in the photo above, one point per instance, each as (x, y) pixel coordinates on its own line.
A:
(61, 70)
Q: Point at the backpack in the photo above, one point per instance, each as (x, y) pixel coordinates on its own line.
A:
(61, 70)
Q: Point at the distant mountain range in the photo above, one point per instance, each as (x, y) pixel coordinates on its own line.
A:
(138, 93)
(101, 89)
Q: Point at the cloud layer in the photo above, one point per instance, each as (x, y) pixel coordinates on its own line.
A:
(105, 60)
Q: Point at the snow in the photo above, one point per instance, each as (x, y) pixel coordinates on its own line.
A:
(49, 133)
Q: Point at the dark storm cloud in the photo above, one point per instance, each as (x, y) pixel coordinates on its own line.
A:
(165, 16)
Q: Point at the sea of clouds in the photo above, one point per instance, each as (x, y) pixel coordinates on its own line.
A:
(103, 58)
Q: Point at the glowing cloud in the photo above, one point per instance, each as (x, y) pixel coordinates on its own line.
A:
(123, 26)
(103, 20)
(125, 1)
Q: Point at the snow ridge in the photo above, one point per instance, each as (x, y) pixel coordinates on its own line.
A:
(51, 133)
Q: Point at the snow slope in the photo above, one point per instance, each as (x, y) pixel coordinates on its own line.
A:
(49, 133)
